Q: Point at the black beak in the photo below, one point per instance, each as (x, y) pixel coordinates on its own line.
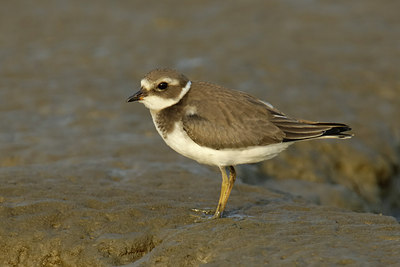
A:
(139, 95)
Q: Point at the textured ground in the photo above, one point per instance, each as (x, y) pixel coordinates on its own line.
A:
(86, 181)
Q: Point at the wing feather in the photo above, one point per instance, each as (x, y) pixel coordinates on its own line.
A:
(229, 119)
(233, 119)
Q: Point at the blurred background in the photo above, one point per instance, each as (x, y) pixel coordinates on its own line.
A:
(66, 68)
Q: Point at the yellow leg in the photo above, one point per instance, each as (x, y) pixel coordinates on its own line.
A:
(226, 188)
(232, 179)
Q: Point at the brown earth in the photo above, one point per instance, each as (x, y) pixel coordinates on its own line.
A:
(87, 181)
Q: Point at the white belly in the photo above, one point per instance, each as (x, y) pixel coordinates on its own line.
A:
(179, 141)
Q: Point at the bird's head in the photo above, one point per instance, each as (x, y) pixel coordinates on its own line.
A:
(161, 88)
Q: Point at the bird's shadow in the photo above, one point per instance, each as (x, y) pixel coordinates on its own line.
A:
(251, 174)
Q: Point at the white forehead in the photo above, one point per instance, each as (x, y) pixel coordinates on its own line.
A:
(145, 84)
(148, 84)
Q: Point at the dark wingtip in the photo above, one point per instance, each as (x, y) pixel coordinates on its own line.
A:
(337, 130)
(334, 130)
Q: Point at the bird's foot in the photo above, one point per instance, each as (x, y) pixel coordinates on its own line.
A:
(204, 211)
(216, 215)
(205, 214)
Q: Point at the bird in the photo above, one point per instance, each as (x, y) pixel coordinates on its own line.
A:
(222, 127)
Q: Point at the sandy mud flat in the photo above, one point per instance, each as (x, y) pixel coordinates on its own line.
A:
(85, 180)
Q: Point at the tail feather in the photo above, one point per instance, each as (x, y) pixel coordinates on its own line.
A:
(298, 130)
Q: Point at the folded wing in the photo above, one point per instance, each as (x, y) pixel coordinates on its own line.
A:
(242, 121)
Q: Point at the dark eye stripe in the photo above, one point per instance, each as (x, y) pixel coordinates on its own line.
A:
(162, 85)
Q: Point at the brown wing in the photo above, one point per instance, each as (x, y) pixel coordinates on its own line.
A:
(229, 119)
(232, 119)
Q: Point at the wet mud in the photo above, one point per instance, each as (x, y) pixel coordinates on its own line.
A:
(85, 180)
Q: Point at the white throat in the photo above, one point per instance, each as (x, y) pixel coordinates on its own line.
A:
(157, 103)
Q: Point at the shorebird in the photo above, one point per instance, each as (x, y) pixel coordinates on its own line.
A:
(218, 126)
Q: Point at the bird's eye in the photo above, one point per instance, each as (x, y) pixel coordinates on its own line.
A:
(162, 85)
